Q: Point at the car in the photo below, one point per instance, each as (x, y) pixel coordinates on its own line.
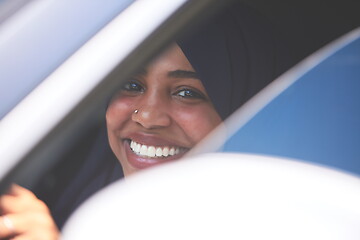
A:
(58, 73)
(287, 167)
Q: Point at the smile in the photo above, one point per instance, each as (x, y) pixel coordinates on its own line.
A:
(152, 151)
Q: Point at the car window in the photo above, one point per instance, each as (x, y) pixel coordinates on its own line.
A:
(40, 36)
(314, 118)
(9, 7)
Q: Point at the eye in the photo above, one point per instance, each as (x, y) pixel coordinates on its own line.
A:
(132, 86)
(190, 94)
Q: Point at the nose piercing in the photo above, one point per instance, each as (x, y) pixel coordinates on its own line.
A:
(136, 111)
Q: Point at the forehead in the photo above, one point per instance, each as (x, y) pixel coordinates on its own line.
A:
(172, 58)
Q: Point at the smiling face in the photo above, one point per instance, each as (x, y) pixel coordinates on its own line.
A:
(160, 114)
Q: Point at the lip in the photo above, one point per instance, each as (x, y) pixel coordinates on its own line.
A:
(152, 140)
(141, 162)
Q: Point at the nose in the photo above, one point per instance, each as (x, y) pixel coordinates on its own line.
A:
(152, 113)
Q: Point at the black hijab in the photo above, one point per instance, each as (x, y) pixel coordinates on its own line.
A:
(235, 55)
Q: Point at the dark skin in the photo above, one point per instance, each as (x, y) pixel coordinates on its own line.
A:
(174, 113)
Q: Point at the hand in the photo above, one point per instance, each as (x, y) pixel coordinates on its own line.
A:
(24, 216)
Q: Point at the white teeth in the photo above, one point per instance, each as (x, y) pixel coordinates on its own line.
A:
(172, 152)
(137, 148)
(143, 150)
(166, 151)
(151, 151)
(159, 152)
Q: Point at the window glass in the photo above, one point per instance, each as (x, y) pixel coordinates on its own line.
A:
(40, 36)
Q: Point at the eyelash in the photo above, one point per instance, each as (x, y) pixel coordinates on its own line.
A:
(189, 94)
(134, 87)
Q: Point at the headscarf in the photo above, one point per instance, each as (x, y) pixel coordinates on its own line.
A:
(235, 55)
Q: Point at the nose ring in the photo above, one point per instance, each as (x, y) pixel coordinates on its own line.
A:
(136, 111)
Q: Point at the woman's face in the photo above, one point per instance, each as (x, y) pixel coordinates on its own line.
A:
(159, 114)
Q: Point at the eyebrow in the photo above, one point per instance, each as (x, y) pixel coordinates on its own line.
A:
(183, 74)
(141, 72)
(174, 74)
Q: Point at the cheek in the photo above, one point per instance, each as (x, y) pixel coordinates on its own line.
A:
(197, 121)
(118, 112)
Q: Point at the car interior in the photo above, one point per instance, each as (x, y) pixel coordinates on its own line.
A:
(79, 142)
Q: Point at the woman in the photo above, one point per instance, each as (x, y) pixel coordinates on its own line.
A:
(156, 117)
(162, 112)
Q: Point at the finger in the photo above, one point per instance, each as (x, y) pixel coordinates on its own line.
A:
(14, 197)
(10, 204)
(17, 190)
(39, 235)
(35, 236)
(7, 202)
(7, 228)
(32, 225)
(21, 237)
(24, 237)
(16, 224)
(20, 203)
